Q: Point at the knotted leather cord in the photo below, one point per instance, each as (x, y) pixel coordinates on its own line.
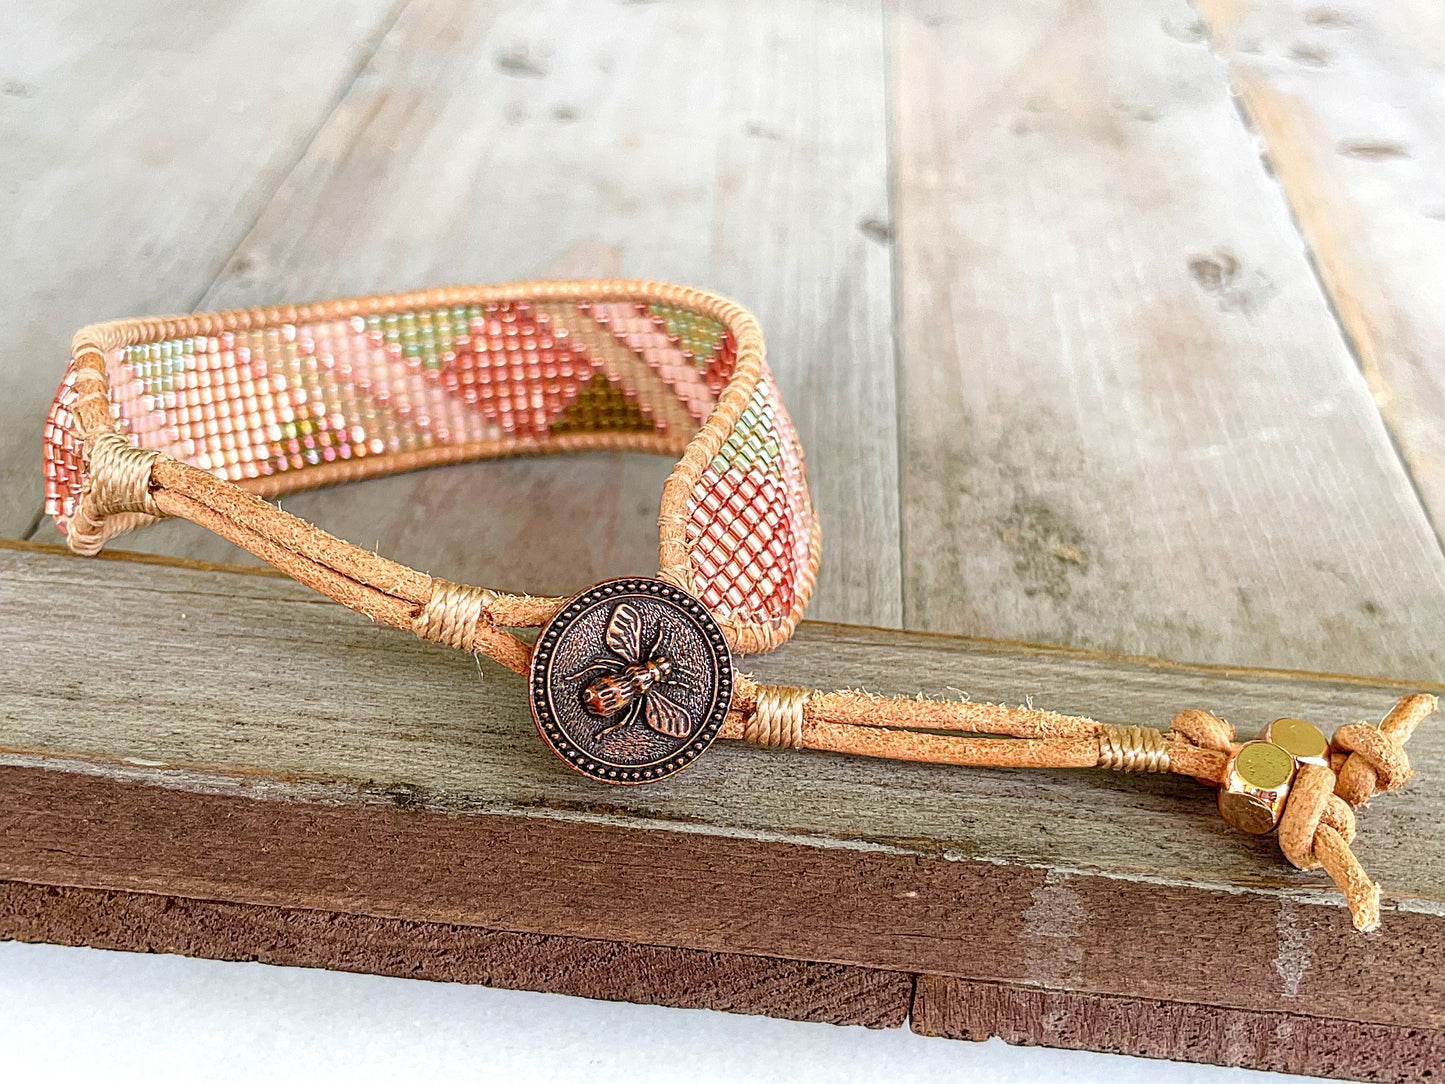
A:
(127, 486)
(1315, 830)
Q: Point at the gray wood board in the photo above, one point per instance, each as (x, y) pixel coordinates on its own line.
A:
(247, 684)
(1129, 419)
(141, 140)
(735, 146)
(1349, 100)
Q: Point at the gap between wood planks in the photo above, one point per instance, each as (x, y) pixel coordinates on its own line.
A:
(733, 146)
(1216, 15)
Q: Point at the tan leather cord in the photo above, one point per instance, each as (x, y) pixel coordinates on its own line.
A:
(126, 486)
(1377, 760)
(124, 478)
(863, 724)
(1315, 830)
(1204, 730)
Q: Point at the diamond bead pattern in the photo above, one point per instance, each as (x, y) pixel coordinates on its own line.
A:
(492, 379)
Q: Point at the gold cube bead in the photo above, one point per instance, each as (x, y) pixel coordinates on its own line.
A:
(1256, 783)
(1301, 740)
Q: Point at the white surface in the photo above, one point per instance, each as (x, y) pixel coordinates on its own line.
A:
(70, 1014)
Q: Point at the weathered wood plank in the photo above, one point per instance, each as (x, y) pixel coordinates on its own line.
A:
(141, 141)
(1280, 1041)
(1350, 101)
(1129, 420)
(228, 736)
(737, 146)
(610, 970)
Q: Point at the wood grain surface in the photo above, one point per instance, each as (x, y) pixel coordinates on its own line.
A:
(1281, 1041)
(1350, 102)
(1164, 385)
(140, 142)
(1129, 420)
(734, 146)
(616, 971)
(234, 738)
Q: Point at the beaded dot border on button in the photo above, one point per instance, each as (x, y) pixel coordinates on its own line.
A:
(597, 767)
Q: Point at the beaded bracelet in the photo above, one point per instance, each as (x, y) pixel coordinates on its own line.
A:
(203, 416)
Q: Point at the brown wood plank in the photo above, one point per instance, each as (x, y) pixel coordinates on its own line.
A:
(214, 670)
(1279, 1041)
(1350, 102)
(736, 146)
(141, 140)
(1129, 420)
(225, 736)
(719, 893)
(609, 970)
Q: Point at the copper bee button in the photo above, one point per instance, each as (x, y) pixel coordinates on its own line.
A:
(630, 681)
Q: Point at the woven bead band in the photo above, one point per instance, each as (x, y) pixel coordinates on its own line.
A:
(275, 400)
(202, 416)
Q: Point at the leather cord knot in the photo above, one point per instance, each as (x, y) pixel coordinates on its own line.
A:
(1377, 759)
(1384, 755)
(117, 481)
(1316, 830)
(777, 720)
(1204, 730)
(1318, 825)
(1207, 732)
(1311, 804)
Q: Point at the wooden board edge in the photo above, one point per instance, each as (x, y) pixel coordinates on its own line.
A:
(717, 894)
(832, 631)
(445, 952)
(955, 1008)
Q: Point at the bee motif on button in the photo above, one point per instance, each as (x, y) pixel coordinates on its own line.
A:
(633, 679)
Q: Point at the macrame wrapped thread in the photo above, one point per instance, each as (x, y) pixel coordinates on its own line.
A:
(1132, 749)
(118, 481)
(451, 614)
(457, 615)
(777, 720)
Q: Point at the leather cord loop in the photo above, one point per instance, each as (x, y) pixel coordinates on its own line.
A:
(1312, 803)
(1377, 759)
(1385, 756)
(1204, 730)
(1316, 830)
